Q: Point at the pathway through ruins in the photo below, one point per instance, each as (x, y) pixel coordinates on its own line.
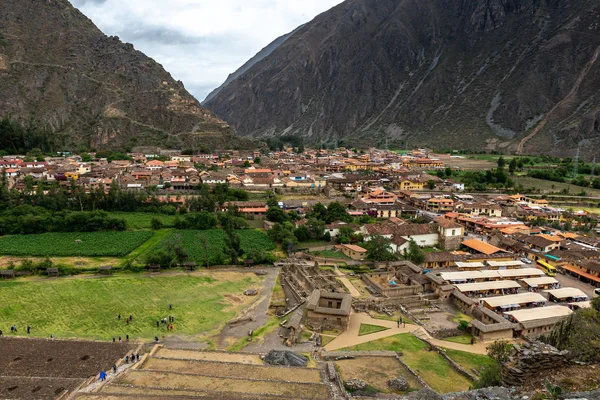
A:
(353, 291)
(351, 338)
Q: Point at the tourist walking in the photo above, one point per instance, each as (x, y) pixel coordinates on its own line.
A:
(28, 329)
(115, 368)
(102, 376)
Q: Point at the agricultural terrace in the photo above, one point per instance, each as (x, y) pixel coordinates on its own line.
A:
(430, 366)
(86, 244)
(87, 307)
(191, 240)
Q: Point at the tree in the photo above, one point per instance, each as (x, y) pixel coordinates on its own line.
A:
(512, 166)
(302, 233)
(448, 172)
(501, 162)
(414, 253)
(499, 351)
(319, 211)
(156, 224)
(233, 244)
(257, 160)
(276, 214)
(85, 157)
(337, 212)
(246, 164)
(379, 249)
(431, 184)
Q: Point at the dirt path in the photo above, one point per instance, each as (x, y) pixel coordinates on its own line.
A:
(353, 291)
(258, 310)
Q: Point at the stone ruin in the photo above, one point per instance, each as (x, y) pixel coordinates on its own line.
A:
(530, 359)
(303, 277)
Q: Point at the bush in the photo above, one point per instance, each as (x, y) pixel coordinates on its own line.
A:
(463, 325)
(490, 376)
(156, 224)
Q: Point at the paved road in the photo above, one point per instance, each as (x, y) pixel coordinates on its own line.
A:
(569, 281)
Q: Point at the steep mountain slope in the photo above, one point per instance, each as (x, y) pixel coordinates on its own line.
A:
(58, 69)
(518, 75)
(271, 47)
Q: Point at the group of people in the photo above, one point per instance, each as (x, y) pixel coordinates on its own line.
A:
(121, 339)
(133, 358)
(167, 322)
(13, 329)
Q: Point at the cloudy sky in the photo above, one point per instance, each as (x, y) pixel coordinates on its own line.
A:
(201, 41)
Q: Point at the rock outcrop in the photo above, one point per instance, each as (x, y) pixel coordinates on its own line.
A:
(286, 358)
(531, 359)
(512, 75)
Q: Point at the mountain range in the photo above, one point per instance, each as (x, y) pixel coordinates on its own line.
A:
(58, 70)
(519, 76)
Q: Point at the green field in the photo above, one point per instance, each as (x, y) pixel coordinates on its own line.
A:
(432, 367)
(330, 254)
(87, 308)
(463, 339)
(545, 186)
(215, 238)
(469, 361)
(92, 244)
(140, 220)
(367, 329)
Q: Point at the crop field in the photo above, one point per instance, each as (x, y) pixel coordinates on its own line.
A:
(141, 220)
(87, 307)
(215, 240)
(43, 369)
(83, 244)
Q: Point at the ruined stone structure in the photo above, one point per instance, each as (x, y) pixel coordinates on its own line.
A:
(303, 277)
(328, 310)
(530, 359)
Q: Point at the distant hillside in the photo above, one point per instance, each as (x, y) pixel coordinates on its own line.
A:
(59, 70)
(250, 63)
(511, 75)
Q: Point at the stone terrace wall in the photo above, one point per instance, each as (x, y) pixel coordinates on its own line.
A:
(529, 359)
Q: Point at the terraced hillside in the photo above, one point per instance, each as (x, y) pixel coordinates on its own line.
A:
(173, 374)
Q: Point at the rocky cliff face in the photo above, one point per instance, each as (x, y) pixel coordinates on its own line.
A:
(518, 75)
(58, 69)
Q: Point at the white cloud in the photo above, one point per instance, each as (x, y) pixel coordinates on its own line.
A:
(201, 41)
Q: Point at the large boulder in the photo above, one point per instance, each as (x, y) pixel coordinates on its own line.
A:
(355, 384)
(286, 358)
(399, 384)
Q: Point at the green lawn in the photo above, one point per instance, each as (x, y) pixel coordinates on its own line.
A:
(330, 254)
(463, 339)
(432, 367)
(140, 220)
(460, 316)
(87, 308)
(84, 244)
(215, 238)
(545, 186)
(367, 329)
(469, 361)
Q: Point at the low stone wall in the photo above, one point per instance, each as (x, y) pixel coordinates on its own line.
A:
(529, 359)
(413, 373)
(446, 333)
(457, 367)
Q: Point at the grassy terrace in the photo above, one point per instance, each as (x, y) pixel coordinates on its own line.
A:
(432, 367)
(87, 307)
(367, 329)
